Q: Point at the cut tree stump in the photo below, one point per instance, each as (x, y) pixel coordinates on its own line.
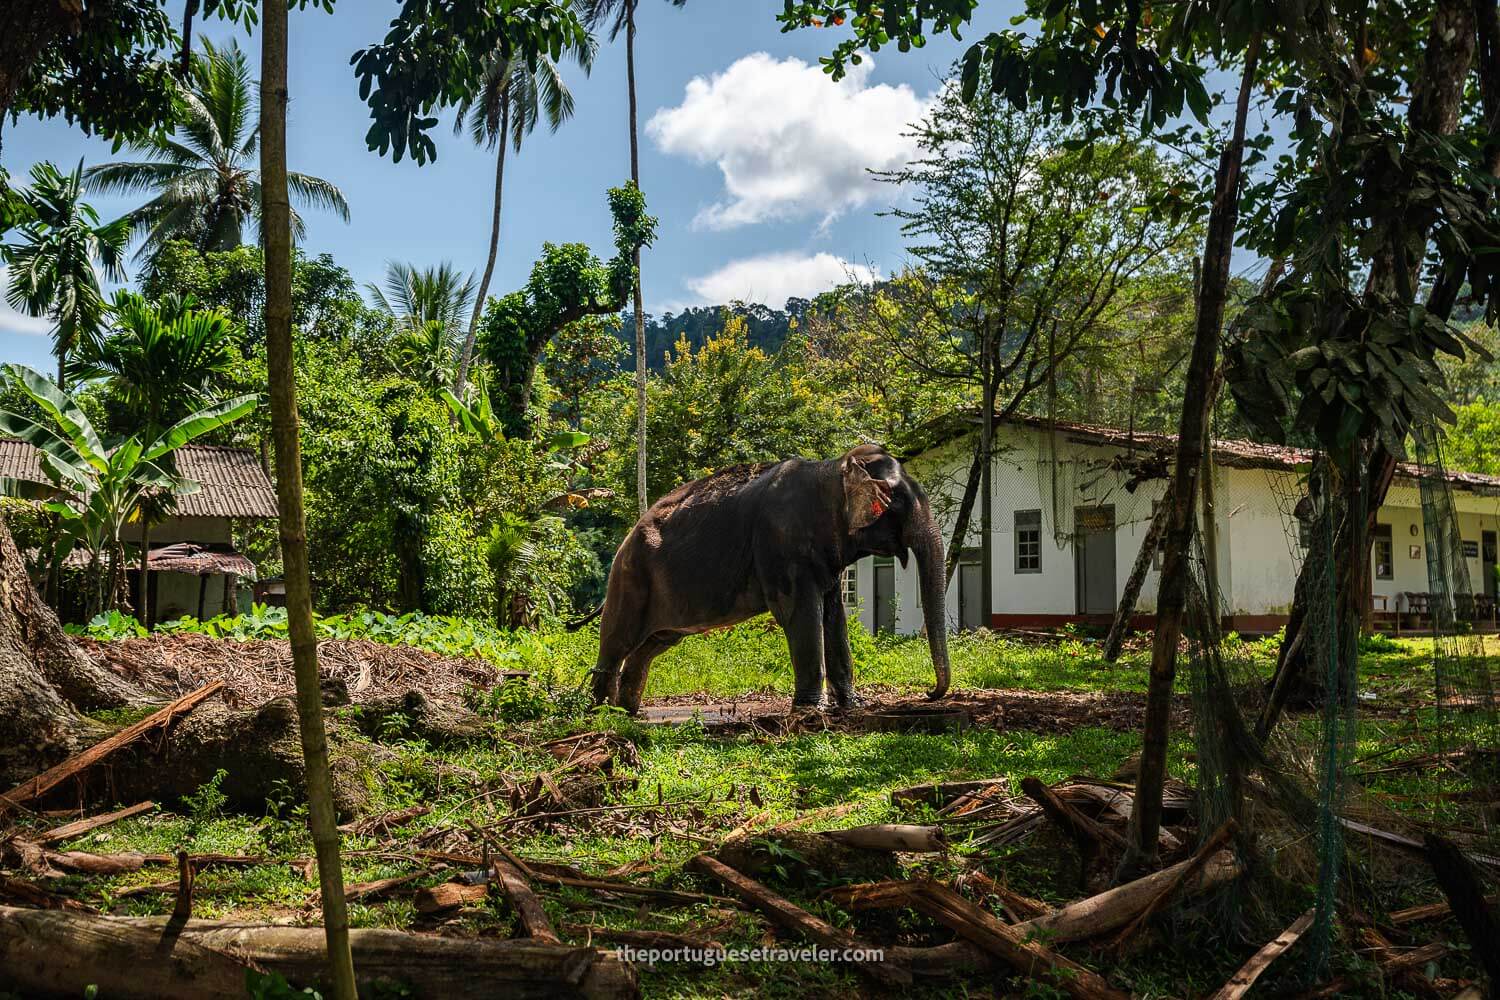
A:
(789, 916)
(34, 788)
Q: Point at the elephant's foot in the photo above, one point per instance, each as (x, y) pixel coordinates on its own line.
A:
(850, 700)
(605, 687)
(801, 706)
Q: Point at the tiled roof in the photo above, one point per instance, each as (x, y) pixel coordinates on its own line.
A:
(234, 484)
(1233, 452)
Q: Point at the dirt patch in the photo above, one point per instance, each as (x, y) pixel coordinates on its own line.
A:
(255, 671)
(1000, 709)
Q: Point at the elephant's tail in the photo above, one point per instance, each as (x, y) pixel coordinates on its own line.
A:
(578, 623)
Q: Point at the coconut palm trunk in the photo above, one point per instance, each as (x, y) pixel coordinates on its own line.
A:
(640, 315)
(277, 223)
(467, 357)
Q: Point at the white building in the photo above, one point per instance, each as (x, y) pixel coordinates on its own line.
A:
(192, 568)
(1067, 529)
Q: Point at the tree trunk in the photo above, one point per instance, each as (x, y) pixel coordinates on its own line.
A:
(143, 598)
(1172, 597)
(965, 510)
(1455, 33)
(640, 315)
(489, 266)
(276, 216)
(987, 484)
(1135, 581)
(46, 682)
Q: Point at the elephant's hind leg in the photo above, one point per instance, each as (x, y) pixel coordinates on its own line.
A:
(637, 664)
(837, 657)
(800, 615)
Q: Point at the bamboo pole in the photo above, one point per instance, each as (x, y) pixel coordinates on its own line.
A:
(277, 238)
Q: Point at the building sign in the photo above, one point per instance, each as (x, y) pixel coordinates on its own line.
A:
(1471, 549)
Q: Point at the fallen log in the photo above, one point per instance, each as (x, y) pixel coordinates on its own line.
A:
(1431, 911)
(639, 938)
(1394, 965)
(359, 891)
(1018, 950)
(1216, 842)
(940, 794)
(34, 788)
(16, 890)
(1087, 833)
(131, 861)
(78, 828)
(513, 885)
(448, 896)
(1239, 984)
(52, 952)
(1024, 907)
(789, 916)
(893, 837)
(1115, 908)
(431, 966)
(385, 821)
(951, 959)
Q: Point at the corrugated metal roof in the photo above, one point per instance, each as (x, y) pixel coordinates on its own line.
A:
(181, 557)
(234, 484)
(1233, 452)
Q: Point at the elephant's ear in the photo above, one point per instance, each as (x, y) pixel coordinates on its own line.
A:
(865, 498)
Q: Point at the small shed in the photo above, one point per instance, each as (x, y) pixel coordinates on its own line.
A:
(192, 567)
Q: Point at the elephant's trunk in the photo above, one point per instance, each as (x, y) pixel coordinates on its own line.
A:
(926, 542)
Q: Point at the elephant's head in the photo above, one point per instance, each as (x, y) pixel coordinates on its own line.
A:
(888, 514)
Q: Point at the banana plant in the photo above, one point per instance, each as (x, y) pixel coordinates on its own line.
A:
(98, 488)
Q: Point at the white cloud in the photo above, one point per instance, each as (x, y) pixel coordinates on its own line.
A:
(775, 277)
(788, 140)
(12, 321)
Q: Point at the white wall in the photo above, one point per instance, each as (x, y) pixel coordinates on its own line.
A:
(1259, 550)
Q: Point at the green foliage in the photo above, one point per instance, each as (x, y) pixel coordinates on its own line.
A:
(326, 304)
(1473, 442)
(429, 59)
(100, 67)
(445, 635)
(51, 269)
(162, 360)
(567, 284)
(273, 986)
(96, 488)
(209, 800)
(1341, 374)
(723, 404)
(205, 175)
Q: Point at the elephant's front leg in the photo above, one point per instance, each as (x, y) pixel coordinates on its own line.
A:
(836, 653)
(800, 615)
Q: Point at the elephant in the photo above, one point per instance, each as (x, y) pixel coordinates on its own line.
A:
(777, 537)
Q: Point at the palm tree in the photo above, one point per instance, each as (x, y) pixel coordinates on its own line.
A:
(620, 15)
(512, 99)
(204, 177)
(429, 305)
(162, 359)
(52, 269)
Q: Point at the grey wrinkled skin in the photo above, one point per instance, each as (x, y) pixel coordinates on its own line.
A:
(776, 537)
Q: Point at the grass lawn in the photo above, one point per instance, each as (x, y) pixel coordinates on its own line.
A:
(712, 782)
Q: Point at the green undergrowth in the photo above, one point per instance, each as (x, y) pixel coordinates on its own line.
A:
(692, 785)
(751, 657)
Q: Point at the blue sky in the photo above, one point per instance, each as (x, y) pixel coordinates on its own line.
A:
(752, 158)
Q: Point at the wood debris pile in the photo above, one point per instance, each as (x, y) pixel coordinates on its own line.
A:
(256, 670)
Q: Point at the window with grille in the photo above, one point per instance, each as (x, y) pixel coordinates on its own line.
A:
(1028, 541)
(1384, 555)
(849, 584)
